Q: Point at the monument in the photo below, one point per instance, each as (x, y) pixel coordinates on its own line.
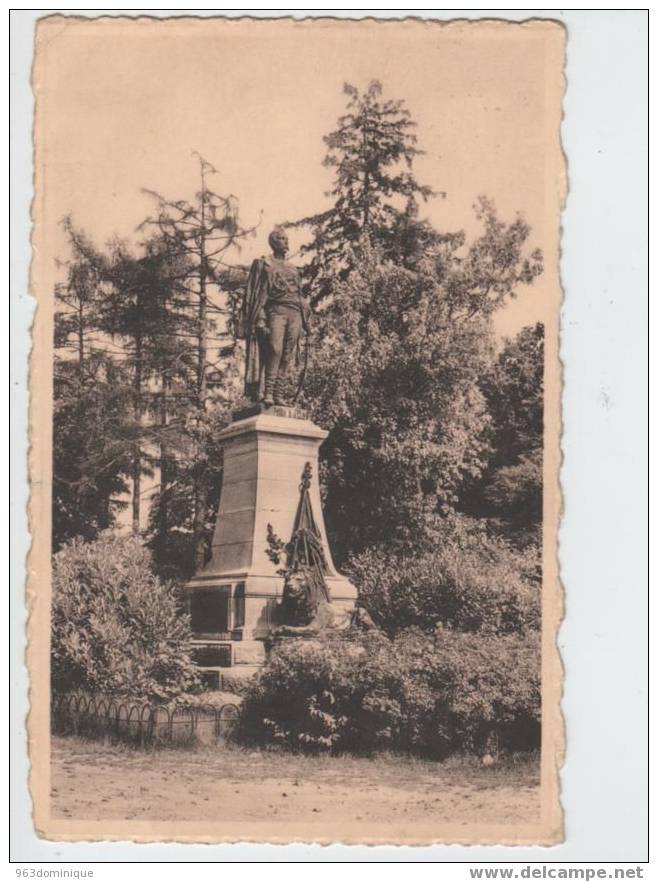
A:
(270, 571)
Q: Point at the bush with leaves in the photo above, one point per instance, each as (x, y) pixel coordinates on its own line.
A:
(427, 693)
(514, 500)
(116, 628)
(468, 581)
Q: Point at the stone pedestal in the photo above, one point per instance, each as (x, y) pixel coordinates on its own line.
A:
(233, 598)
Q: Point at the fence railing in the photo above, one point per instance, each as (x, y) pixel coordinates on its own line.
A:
(141, 723)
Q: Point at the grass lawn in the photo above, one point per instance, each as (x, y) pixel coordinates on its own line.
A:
(96, 781)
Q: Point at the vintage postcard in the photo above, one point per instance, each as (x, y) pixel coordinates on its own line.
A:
(295, 431)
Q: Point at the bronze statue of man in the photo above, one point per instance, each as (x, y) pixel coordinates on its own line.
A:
(273, 315)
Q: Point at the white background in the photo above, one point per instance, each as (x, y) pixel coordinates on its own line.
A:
(603, 536)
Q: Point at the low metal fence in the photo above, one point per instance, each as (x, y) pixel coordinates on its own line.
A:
(141, 723)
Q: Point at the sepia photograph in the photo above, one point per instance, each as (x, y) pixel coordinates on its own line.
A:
(295, 431)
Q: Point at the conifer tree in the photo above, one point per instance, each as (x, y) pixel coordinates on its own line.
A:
(374, 192)
(90, 456)
(144, 311)
(200, 234)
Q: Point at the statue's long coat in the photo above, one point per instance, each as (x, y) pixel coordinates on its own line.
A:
(255, 298)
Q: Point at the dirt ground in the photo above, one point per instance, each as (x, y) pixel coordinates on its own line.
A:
(96, 781)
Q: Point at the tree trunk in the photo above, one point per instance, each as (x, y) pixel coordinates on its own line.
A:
(104, 514)
(137, 455)
(200, 514)
(366, 178)
(163, 511)
(200, 488)
(81, 335)
(137, 489)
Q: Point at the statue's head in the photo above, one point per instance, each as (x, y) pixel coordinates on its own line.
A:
(278, 240)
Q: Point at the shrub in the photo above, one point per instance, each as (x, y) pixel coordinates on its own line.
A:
(431, 694)
(474, 585)
(513, 499)
(116, 628)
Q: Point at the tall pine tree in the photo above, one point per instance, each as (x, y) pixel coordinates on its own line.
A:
(90, 456)
(200, 234)
(144, 311)
(375, 194)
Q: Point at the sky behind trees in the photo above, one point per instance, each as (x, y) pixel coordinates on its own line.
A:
(123, 109)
